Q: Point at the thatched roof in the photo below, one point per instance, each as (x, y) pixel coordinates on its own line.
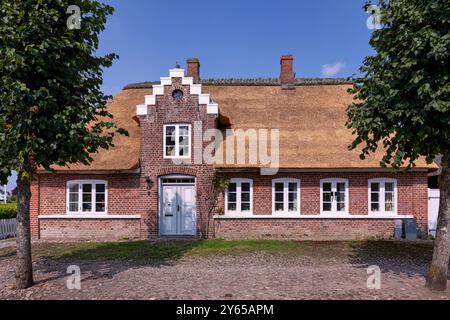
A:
(311, 120)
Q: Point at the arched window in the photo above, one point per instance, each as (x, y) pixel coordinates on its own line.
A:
(87, 197)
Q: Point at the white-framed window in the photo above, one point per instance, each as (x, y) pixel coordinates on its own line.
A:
(87, 197)
(177, 141)
(382, 196)
(239, 196)
(286, 195)
(334, 196)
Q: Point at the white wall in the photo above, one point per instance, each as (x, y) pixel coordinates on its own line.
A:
(433, 209)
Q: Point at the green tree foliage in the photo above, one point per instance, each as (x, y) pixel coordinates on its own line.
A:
(404, 92)
(52, 111)
(403, 100)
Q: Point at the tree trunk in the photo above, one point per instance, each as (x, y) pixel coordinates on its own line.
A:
(438, 273)
(24, 268)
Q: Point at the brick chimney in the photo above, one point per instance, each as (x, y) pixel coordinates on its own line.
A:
(287, 75)
(193, 69)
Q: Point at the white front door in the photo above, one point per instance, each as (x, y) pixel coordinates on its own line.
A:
(177, 214)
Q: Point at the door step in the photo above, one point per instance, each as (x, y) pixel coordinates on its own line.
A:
(176, 238)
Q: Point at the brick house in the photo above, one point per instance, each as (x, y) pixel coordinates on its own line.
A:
(157, 182)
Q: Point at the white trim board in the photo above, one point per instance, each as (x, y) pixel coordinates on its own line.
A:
(89, 216)
(315, 170)
(195, 89)
(312, 216)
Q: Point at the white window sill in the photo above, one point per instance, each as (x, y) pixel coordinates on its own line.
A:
(89, 216)
(177, 158)
(312, 216)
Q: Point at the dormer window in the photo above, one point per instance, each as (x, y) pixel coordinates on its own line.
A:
(177, 141)
(177, 95)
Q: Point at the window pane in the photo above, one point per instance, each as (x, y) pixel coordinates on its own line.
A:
(327, 196)
(389, 207)
(340, 196)
(232, 187)
(170, 151)
(100, 197)
(184, 151)
(340, 206)
(100, 207)
(374, 196)
(73, 197)
(292, 197)
(73, 207)
(293, 206)
(340, 186)
(87, 197)
(87, 207)
(245, 186)
(73, 187)
(100, 188)
(245, 196)
(326, 186)
(279, 207)
(389, 186)
(232, 206)
(375, 207)
(87, 188)
(279, 196)
(184, 130)
(326, 206)
(231, 196)
(375, 186)
(389, 197)
(279, 186)
(170, 130)
(293, 186)
(184, 141)
(245, 206)
(170, 141)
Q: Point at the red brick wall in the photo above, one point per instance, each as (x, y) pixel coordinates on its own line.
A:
(89, 229)
(153, 164)
(126, 196)
(411, 193)
(303, 229)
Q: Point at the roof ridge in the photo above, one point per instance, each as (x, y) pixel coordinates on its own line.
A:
(251, 82)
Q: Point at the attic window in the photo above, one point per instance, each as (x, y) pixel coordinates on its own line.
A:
(177, 95)
(177, 141)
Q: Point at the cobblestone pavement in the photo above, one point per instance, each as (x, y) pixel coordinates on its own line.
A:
(7, 243)
(253, 275)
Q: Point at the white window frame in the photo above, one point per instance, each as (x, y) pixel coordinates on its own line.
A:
(381, 197)
(177, 145)
(334, 181)
(239, 182)
(80, 197)
(286, 182)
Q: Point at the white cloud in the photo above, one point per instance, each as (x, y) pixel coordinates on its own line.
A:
(330, 70)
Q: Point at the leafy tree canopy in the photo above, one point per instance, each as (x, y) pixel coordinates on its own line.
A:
(52, 111)
(404, 92)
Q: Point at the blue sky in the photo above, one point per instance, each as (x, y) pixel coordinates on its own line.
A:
(233, 38)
